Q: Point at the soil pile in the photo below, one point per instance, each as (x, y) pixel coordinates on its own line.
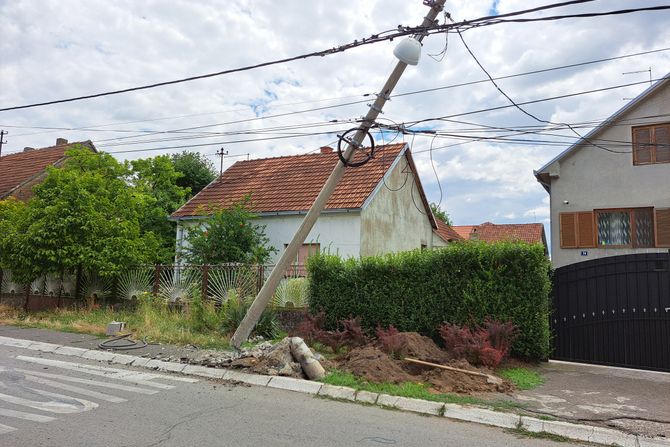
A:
(420, 347)
(372, 364)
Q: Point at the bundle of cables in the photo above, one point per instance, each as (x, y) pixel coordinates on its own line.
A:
(123, 343)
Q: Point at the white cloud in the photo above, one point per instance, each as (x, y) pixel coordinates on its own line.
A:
(53, 49)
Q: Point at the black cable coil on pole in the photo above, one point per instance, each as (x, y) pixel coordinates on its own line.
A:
(369, 154)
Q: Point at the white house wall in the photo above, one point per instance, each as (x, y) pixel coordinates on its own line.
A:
(391, 221)
(591, 178)
(337, 233)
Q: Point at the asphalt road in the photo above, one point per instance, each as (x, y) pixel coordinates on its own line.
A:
(53, 400)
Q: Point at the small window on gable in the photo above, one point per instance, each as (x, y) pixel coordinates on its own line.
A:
(651, 144)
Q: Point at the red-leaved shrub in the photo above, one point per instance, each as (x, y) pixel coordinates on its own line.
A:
(311, 330)
(487, 344)
(352, 333)
(500, 335)
(391, 342)
(311, 327)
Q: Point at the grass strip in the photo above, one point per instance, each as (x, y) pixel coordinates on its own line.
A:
(523, 378)
(414, 390)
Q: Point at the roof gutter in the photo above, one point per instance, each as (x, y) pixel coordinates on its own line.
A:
(273, 214)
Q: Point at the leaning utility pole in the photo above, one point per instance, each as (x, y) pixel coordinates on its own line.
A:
(267, 291)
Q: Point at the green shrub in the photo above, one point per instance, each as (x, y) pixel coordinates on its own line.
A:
(234, 310)
(460, 284)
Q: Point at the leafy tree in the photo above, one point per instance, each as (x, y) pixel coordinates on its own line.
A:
(157, 178)
(197, 171)
(12, 211)
(84, 215)
(228, 236)
(440, 213)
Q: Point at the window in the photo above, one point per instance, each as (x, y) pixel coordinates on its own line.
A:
(663, 227)
(298, 265)
(577, 230)
(616, 228)
(651, 144)
(625, 228)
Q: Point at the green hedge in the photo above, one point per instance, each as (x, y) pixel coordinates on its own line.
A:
(462, 283)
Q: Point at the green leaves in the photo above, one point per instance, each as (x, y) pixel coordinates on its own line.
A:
(228, 236)
(419, 290)
(84, 214)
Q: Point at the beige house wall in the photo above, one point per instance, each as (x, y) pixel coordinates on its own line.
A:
(591, 178)
(395, 219)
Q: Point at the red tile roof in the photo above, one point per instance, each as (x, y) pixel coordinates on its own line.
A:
(19, 168)
(532, 233)
(291, 183)
(463, 230)
(447, 232)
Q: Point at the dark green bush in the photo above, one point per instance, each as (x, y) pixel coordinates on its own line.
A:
(461, 284)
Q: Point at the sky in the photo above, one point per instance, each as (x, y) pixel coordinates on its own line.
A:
(54, 49)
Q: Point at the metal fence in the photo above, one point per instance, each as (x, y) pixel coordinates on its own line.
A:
(614, 311)
(175, 284)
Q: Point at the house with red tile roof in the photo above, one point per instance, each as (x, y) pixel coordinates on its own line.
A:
(532, 233)
(377, 208)
(20, 171)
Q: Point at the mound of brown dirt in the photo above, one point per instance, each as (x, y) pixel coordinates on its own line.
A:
(373, 365)
(444, 381)
(422, 348)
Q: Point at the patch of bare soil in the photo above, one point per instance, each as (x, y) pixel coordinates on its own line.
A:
(443, 381)
(374, 365)
(420, 347)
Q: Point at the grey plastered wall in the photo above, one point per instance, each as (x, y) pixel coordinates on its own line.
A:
(395, 218)
(591, 178)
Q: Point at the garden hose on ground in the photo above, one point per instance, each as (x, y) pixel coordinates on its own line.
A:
(123, 343)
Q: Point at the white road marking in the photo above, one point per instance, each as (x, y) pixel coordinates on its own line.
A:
(6, 429)
(129, 376)
(52, 406)
(132, 389)
(76, 389)
(26, 416)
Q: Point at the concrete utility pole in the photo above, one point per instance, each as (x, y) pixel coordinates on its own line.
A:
(267, 291)
(221, 153)
(2, 139)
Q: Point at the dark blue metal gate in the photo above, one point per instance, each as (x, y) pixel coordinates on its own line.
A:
(614, 311)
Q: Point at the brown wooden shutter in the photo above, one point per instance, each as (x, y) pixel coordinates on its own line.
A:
(663, 227)
(568, 229)
(662, 143)
(585, 230)
(642, 145)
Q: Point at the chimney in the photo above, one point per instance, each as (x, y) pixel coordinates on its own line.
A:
(326, 149)
(61, 141)
(26, 149)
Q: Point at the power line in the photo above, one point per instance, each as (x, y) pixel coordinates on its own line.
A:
(407, 125)
(143, 133)
(375, 38)
(467, 47)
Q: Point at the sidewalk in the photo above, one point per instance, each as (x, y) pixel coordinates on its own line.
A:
(578, 402)
(636, 401)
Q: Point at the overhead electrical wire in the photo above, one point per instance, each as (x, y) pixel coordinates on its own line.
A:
(143, 133)
(375, 38)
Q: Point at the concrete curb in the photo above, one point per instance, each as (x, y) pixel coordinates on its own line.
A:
(577, 432)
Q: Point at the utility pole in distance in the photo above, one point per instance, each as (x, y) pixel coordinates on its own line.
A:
(267, 291)
(2, 139)
(221, 154)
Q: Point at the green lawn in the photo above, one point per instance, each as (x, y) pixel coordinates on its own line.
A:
(411, 389)
(523, 378)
